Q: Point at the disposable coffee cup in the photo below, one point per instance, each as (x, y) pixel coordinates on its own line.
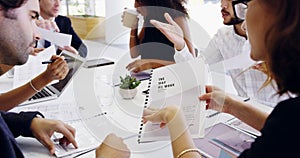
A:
(130, 17)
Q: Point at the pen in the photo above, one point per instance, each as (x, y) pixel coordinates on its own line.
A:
(51, 61)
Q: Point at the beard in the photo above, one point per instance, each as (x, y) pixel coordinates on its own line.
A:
(234, 21)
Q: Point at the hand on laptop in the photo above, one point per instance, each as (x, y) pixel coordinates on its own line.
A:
(43, 129)
(56, 70)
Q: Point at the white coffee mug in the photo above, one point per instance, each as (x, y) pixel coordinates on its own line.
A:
(130, 17)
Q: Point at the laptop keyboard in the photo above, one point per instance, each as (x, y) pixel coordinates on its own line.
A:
(42, 94)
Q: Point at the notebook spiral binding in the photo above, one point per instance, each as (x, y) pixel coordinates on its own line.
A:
(145, 106)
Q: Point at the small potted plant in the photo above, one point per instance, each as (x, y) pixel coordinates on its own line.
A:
(128, 87)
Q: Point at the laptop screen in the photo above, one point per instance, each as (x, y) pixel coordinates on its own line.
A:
(74, 63)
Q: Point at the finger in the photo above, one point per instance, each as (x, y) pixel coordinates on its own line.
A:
(131, 65)
(48, 144)
(157, 24)
(55, 27)
(153, 117)
(48, 25)
(148, 112)
(169, 19)
(69, 133)
(206, 96)
(137, 69)
(162, 125)
(60, 68)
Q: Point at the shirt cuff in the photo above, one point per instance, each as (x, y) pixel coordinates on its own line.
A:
(182, 55)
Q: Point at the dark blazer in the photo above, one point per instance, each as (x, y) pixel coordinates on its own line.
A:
(13, 125)
(65, 26)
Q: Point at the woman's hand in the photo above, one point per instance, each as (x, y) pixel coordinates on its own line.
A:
(217, 99)
(112, 147)
(162, 116)
(172, 31)
(56, 70)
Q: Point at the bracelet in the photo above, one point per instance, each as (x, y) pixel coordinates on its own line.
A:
(31, 85)
(132, 36)
(187, 151)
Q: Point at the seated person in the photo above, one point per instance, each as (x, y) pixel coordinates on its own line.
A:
(279, 128)
(227, 43)
(19, 31)
(49, 11)
(150, 43)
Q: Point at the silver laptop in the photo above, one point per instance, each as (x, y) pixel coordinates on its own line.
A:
(53, 91)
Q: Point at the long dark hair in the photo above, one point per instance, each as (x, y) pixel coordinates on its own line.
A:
(283, 45)
(176, 5)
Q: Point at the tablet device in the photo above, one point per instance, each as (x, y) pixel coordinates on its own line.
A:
(97, 62)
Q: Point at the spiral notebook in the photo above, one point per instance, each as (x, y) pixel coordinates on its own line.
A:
(179, 84)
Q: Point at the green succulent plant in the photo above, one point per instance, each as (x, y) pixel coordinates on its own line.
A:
(129, 82)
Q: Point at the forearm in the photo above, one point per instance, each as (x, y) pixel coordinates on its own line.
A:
(249, 114)
(134, 41)
(160, 63)
(4, 68)
(16, 96)
(179, 133)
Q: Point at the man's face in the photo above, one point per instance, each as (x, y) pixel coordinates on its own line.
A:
(227, 12)
(18, 33)
(49, 8)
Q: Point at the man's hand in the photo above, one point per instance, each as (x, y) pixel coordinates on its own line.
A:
(43, 129)
(37, 51)
(48, 25)
(70, 49)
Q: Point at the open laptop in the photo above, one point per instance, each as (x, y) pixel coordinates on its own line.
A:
(53, 91)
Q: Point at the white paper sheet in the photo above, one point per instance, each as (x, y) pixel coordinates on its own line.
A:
(170, 86)
(33, 67)
(59, 39)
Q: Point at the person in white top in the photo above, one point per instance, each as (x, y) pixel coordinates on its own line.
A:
(228, 42)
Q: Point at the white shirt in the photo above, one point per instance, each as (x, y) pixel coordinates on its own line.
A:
(224, 45)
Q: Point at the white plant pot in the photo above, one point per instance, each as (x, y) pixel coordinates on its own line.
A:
(128, 93)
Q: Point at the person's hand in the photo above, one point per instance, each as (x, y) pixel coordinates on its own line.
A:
(216, 99)
(112, 147)
(47, 24)
(70, 49)
(162, 116)
(37, 51)
(56, 70)
(261, 67)
(140, 65)
(43, 129)
(172, 31)
(134, 25)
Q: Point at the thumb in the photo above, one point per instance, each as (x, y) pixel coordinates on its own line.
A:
(48, 144)
(206, 96)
